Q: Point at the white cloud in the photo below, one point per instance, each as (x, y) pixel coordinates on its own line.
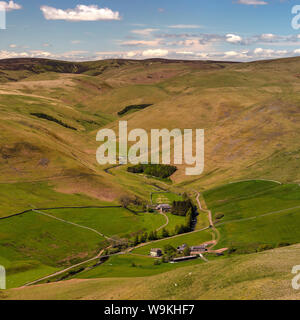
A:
(10, 5)
(9, 54)
(132, 54)
(185, 52)
(267, 36)
(231, 53)
(41, 54)
(139, 43)
(143, 32)
(233, 38)
(253, 2)
(185, 26)
(80, 13)
(155, 53)
(271, 53)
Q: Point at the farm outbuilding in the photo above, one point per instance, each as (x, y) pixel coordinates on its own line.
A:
(163, 207)
(156, 252)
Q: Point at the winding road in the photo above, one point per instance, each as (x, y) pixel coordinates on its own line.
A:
(211, 223)
(216, 234)
(167, 222)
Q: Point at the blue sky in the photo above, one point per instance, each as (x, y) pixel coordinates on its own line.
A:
(239, 30)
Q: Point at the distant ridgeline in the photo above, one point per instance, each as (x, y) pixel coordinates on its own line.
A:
(50, 118)
(133, 107)
(156, 170)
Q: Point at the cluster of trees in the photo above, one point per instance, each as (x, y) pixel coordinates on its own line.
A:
(170, 252)
(181, 208)
(188, 224)
(128, 201)
(156, 170)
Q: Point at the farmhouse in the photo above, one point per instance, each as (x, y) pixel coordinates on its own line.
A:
(163, 207)
(155, 252)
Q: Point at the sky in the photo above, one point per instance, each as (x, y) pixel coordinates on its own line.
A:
(233, 30)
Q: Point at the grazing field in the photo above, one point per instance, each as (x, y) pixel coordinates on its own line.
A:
(264, 232)
(237, 190)
(32, 245)
(165, 197)
(191, 239)
(265, 275)
(255, 215)
(248, 199)
(111, 221)
(132, 266)
(174, 221)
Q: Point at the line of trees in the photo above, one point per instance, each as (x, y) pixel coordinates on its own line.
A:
(151, 236)
(50, 118)
(133, 107)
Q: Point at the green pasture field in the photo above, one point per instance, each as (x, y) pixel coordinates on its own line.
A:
(165, 197)
(32, 244)
(131, 265)
(111, 221)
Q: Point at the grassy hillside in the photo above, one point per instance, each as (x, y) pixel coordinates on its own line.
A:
(32, 245)
(50, 113)
(249, 112)
(132, 266)
(112, 221)
(265, 275)
(255, 215)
